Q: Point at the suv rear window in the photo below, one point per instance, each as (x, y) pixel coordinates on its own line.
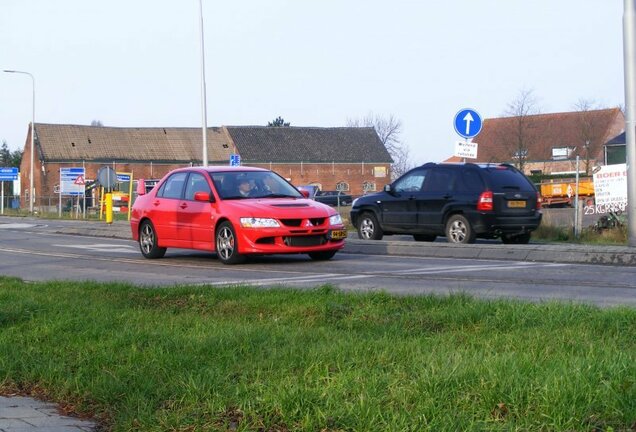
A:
(503, 178)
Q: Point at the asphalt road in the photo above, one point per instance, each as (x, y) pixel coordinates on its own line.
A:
(35, 252)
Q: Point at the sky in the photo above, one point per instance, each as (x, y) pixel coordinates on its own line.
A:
(136, 63)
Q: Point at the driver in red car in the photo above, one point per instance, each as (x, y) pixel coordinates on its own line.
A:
(245, 188)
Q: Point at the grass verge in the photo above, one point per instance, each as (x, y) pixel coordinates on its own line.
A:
(186, 359)
(611, 236)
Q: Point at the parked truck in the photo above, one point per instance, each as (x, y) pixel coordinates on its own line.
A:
(562, 192)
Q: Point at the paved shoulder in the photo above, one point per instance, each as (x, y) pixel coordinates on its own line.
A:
(23, 414)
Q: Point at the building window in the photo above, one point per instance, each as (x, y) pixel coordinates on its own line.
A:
(342, 186)
(368, 186)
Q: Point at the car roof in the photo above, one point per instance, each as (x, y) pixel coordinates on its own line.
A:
(458, 164)
(221, 168)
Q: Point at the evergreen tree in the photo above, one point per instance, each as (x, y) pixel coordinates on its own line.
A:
(278, 122)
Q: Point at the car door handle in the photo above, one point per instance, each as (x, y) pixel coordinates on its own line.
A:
(155, 203)
(183, 205)
(447, 197)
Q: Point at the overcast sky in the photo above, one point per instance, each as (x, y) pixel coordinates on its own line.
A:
(313, 62)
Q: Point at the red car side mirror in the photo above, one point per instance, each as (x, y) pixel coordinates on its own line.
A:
(305, 193)
(202, 196)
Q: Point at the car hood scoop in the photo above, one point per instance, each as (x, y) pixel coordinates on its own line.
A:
(291, 205)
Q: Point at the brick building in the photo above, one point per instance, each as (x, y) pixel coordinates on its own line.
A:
(352, 159)
(549, 143)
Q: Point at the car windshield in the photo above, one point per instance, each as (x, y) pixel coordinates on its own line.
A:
(252, 184)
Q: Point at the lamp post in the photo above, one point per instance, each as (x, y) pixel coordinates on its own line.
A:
(629, 58)
(32, 137)
(204, 108)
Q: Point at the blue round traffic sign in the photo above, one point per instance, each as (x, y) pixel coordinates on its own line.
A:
(467, 123)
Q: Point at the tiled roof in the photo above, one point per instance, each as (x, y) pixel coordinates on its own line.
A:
(258, 144)
(546, 131)
(97, 143)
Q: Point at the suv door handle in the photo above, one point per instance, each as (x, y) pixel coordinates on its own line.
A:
(155, 203)
(447, 196)
(183, 205)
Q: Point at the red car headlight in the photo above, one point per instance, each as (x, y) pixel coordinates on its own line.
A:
(259, 223)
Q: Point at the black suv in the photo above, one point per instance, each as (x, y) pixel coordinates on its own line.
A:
(460, 201)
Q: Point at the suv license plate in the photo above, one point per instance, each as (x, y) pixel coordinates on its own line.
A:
(338, 234)
(516, 204)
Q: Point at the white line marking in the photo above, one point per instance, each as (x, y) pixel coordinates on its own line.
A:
(101, 247)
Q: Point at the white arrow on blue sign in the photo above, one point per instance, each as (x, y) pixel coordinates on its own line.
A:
(467, 123)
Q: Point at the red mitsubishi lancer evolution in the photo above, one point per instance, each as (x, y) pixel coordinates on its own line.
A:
(235, 212)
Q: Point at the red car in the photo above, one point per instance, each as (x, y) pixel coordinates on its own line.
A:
(233, 211)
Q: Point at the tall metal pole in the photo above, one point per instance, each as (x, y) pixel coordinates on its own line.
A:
(629, 59)
(204, 108)
(31, 188)
(577, 231)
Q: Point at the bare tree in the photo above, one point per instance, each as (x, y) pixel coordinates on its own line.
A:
(389, 130)
(591, 128)
(519, 136)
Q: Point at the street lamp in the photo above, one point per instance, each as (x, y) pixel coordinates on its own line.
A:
(204, 108)
(32, 137)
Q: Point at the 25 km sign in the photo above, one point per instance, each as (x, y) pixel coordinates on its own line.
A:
(467, 123)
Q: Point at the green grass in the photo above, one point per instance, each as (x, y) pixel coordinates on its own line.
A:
(187, 359)
(611, 236)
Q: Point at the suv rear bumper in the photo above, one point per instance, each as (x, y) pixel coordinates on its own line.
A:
(485, 223)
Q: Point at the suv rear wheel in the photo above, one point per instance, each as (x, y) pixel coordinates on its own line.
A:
(458, 230)
(369, 228)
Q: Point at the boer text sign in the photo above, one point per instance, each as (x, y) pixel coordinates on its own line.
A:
(610, 188)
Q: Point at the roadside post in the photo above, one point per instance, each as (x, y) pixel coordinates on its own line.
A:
(109, 208)
(6, 174)
(467, 123)
(107, 178)
(577, 227)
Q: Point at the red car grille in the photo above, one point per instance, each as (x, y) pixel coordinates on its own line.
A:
(299, 222)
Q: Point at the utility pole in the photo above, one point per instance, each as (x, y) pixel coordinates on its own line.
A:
(629, 59)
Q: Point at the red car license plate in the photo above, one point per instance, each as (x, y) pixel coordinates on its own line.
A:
(338, 234)
(516, 204)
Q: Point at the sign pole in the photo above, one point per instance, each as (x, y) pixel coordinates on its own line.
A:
(59, 209)
(629, 58)
(577, 231)
(2, 197)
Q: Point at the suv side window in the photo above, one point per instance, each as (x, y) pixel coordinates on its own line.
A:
(441, 179)
(173, 187)
(472, 181)
(410, 182)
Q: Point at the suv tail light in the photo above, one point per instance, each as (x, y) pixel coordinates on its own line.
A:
(539, 201)
(485, 201)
